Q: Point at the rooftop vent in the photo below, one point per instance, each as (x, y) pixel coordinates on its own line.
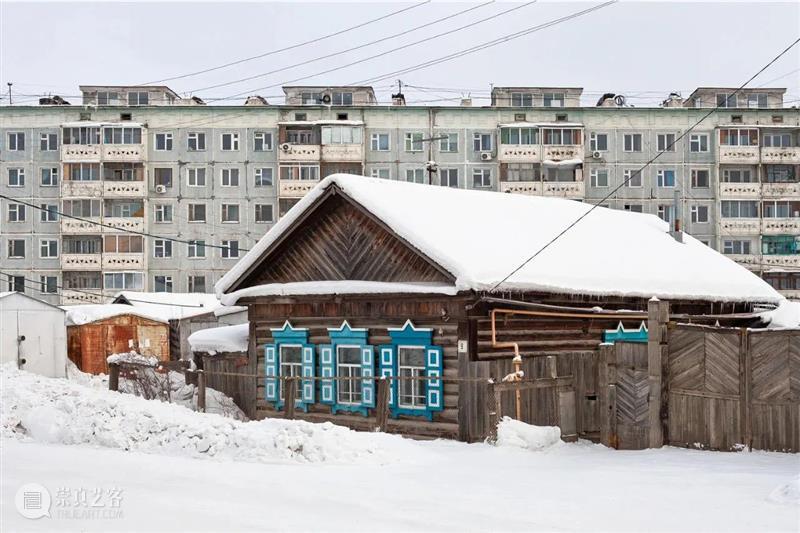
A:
(398, 99)
(256, 100)
(466, 102)
(673, 100)
(53, 100)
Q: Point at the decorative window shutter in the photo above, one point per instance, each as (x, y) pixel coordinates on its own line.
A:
(327, 365)
(308, 371)
(433, 369)
(271, 393)
(368, 373)
(387, 369)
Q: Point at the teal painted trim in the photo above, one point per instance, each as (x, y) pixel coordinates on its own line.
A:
(626, 335)
(294, 336)
(409, 334)
(423, 412)
(346, 334)
(363, 411)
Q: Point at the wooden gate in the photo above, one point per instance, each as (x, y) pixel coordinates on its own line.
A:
(623, 391)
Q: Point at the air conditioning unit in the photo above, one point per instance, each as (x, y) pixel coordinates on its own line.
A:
(286, 147)
(161, 189)
(486, 156)
(596, 154)
(326, 99)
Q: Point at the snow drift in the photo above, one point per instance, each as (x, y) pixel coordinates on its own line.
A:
(516, 434)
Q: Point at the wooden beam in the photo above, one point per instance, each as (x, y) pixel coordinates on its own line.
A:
(657, 320)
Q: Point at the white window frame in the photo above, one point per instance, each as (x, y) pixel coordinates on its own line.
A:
(411, 142)
(160, 212)
(225, 211)
(196, 249)
(164, 139)
(234, 141)
(693, 178)
(163, 246)
(11, 246)
(49, 213)
(168, 283)
(593, 140)
(190, 212)
(49, 141)
(295, 369)
(627, 173)
(46, 246)
(561, 98)
(414, 174)
(199, 139)
(663, 143)
(53, 174)
(449, 145)
(632, 136)
(265, 137)
(194, 175)
(19, 177)
(661, 176)
(260, 179)
(521, 98)
(228, 251)
(695, 212)
(375, 142)
(594, 177)
(271, 213)
(228, 175)
(376, 172)
(44, 282)
(449, 182)
(700, 142)
(485, 174)
(191, 282)
(14, 145)
(482, 142)
(20, 212)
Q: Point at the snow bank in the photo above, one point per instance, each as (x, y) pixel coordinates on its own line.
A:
(786, 315)
(516, 434)
(221, 339)
(57, 410)
(788, 493)
(133, 358)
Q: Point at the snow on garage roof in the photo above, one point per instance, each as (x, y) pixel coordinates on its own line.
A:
(480, 237)
(77, 315)
(221, 339)
(170, 305)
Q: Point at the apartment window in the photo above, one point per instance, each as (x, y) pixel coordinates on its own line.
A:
(341, 135)
(16, 213)
(736, 247)
(197, 249)
(598, 142)
(341, 116)
(632, 142)
(757, 100)
(777, 140)
(300, 117)
(342, 98)
(558, 136)
(415, 175)
(599, 177)
(263, 213)
(699, 214)
(163, 177)
(163, 213)
(82, 208)
(124, 281)
(196, 141)
(780, 245)
(666, 212)
(197, 284)
(122, 135)
(49, 177)
(162, 248)
(481, 177)
(263, 177)
(230, 177)
(780, 174)
(16, 283)
(632, 178)
(781, 209)
(125, 116)
(665, 142)
(162, 283)
(633, 208)
(737, 175)
(379, 142)
(49, 213)
(107, 98)
(300, 172)
(16, 141)
(521, 100)
(48, 284)
(482, 142)
(381, 172)
(84, 172)
(230, 249)
(727, 100)
(300, 136)
(665, 178)
(448, 177)
(196, 177)
(739, 209)
(262, 141)
(698, 143)
(311, 98)
(16, 177)
(163, 142)
(230, 213)
(48, 248)
(738, 137)
(413, 142)
(197, 212)
(554, 99)
(448, 143)
(230, 142)
(48, 142)
(519, 136)
(138, 98)
(126, 209)
(82, 135)
(522, 172)
(700, 178)
(123, 244)
(16, 248)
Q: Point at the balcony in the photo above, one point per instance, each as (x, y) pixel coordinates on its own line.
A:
(564, 189)
(79, 227)
(738, 155)
(124, 189)
(563, 152)
(70, 297)
(342, 152)
(533, 188)
(80, 153)
(740, 226)
(295, 188)
(80, 261)
(123, 223)
(123, 261)
(781, 226)
(780, 155)
(81, 189)
(778, 261)
(123, 152)
(299, 152)
(750, 261)
(780, 190)
(519, 153)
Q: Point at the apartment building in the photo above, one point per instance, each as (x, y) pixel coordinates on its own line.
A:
(168, 192)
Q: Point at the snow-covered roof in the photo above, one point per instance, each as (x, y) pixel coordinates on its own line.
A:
(221, 339)
(307, 288)
(6, 294)
(786, 315)
(226, 310)
(481, 237)
(171, 305)
(77, 315)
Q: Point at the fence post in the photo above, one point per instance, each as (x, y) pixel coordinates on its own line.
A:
(493, 411)
(745, 389)
(382, 404)
(289, 392)
(113, 376)
(201, 391)
(657, 319)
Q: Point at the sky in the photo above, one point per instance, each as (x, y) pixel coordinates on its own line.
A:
(644, 50)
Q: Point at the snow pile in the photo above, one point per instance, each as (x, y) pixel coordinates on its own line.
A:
(788, 493)
(60, 411)
(77, 315)
(786, 315)
(133, 358)
(516, 434)
(222, 339)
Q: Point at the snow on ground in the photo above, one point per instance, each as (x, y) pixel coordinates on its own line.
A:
(347, 481)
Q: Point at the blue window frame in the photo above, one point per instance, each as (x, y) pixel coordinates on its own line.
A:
(627, 335)
(411, 355)
(290, 355)
(348, 355)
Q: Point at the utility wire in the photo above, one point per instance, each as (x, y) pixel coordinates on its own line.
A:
(291, 47)
(638, 172)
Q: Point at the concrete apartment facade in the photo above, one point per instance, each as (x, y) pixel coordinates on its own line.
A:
(206, 182)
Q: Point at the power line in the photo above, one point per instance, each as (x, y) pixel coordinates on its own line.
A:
(291, 47)
(638, 172)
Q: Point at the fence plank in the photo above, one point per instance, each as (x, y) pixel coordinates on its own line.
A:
(382, 404)
(289, 386)
(201, 391)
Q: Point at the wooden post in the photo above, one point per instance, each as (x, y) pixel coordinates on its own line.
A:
(201, 391)
(745, 389)
(657, 319)
(113, 376)
(289, 392)
(382, 404)
(603, 385)
(551, 370)
(493, 411)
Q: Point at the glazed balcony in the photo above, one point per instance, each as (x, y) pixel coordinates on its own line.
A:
(123, 223)
(295, 188)
(740, 226)
(781, 226)
(123, 152)
(80, 153)
(71, 226)
(532, 188)
(781, 190)
(342, 152)
(738, 155)
(124, 189)
(123, 261)
(81, 261)
(555, 152)
(780, 155)
(519, 153)
(299, 152)
(564, 189)
(81, 189)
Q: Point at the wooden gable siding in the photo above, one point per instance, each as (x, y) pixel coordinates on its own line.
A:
(339, 240)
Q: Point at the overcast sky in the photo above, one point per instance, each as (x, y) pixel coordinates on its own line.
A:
(641, 49)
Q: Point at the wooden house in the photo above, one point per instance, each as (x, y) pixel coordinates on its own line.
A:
(96, 331)
(367, 277)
